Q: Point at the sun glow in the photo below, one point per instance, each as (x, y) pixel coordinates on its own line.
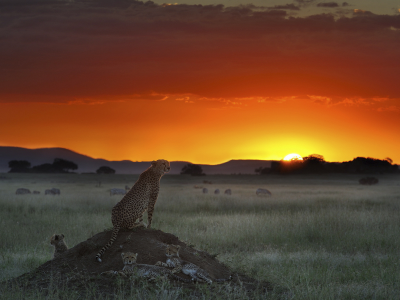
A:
(293, 156)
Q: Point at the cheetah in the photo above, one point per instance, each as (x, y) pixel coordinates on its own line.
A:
(188, 268)
(142, 270)
(57, 240)
(141, 197)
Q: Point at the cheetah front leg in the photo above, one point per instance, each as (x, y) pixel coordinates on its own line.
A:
(150, 208)
(139, 224)
(160, 263)
(177, 269)
(110, 273)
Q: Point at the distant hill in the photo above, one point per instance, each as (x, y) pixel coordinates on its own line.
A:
(88, 164)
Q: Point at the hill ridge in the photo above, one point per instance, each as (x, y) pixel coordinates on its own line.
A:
(88, 164)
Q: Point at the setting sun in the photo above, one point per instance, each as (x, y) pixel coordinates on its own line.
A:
(293, 156)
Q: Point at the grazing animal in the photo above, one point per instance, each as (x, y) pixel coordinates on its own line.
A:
(53, 191)
(368, 180)
(205, 191)
(216, 191)
(22, 191)
(57, 240)
(228, 192)
(142, 270)
(142, 196)
(36, 192)
(48, 192)
(188, 268)
(263, 192)
(117, 192)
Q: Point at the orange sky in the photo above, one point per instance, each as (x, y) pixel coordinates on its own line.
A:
(204, 84)
(203, 131)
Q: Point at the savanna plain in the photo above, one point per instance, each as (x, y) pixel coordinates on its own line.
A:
(316, 237)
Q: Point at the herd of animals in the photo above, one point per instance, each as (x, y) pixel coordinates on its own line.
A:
(53, 191)
(128, 213)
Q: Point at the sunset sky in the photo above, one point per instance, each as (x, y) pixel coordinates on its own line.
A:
(119, 79)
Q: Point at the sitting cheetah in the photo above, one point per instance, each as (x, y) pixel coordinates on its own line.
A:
(141, 197)
(57, 240)
(148, 271)
(174, 261)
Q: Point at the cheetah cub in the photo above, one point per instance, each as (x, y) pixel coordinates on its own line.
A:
(188, 268)
(57, 240)
(142, 270)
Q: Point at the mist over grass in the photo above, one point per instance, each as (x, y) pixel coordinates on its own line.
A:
(318, 237)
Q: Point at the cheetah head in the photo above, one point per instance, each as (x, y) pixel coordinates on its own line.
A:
(56, 238)
(129, 258)
(172, 250)
(161, 166)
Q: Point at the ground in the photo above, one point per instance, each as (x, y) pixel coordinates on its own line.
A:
(77, 268)
(317, 237)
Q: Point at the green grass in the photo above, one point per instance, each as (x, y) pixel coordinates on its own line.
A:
(317, 237)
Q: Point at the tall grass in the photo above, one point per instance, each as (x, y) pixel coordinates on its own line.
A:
(319, 237)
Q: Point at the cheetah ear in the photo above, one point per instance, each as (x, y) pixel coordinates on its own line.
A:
(122, 254)
(136, 255)
(62, 235)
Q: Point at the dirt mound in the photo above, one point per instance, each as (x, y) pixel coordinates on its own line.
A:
(78, 269)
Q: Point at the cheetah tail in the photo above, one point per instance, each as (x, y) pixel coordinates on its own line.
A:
(112, 240)
(223, 279)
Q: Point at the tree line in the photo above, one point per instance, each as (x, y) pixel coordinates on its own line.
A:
(59, 165)
(316, 163)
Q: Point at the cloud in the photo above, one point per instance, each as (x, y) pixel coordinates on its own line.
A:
(62, 51)
(290, 6)
(327, 4)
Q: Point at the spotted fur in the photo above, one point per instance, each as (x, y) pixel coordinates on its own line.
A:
(57, 240)
(141, 197)
(142, 270)
(188, 268)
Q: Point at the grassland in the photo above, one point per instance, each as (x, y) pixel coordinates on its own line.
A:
(317, 237)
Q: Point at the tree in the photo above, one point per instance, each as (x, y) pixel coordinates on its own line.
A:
(19, 166)
(194, 170)
(64, 165)
(314, 163)
(105, 170)
(314, 159)
(45, 168)
(388, 159)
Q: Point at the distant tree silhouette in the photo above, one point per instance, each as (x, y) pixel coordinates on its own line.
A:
(388, 159)
(58, 166)
(313, 163)
(194, 170)
(314, 158)
(45, 168)
(369, 165)
(105, 170)
(64, 165)
(19, 166)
